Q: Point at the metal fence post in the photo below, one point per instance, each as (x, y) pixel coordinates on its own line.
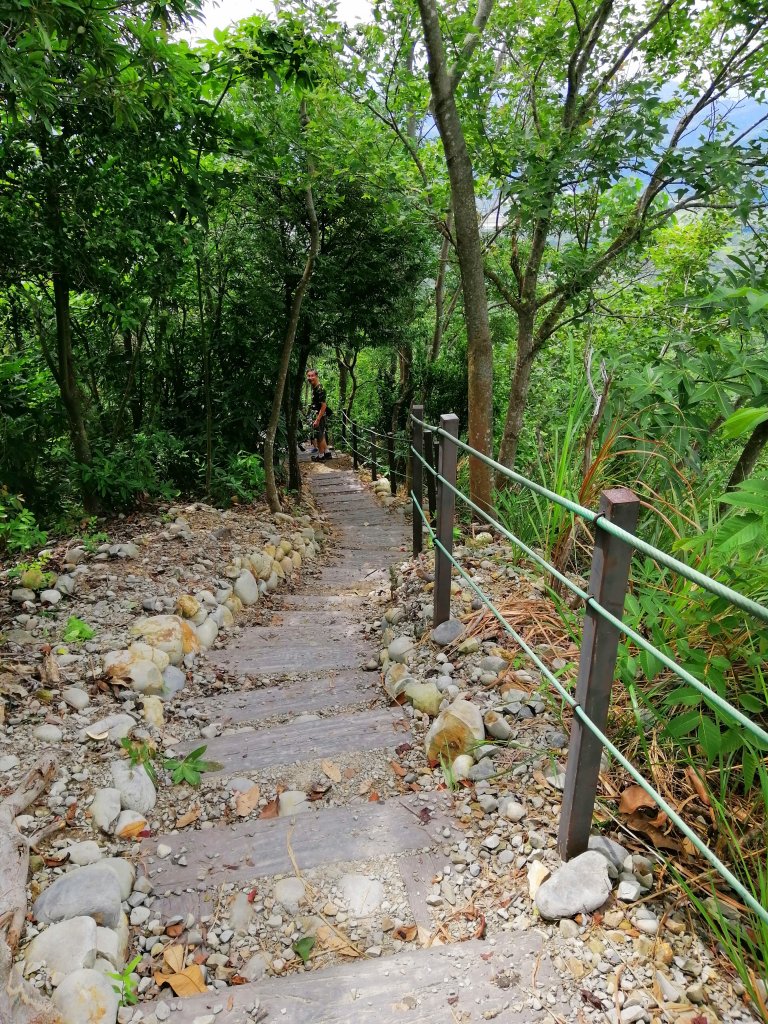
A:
(354, 444)
(429, 456)
(417, 476)
(608, 579)
(374, 467)
(392, 467)
(446, 505)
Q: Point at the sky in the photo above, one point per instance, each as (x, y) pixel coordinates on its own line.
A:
(220, 13)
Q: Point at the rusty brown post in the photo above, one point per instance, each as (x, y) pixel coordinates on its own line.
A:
(446, 506)
(429, 456)
(354, 444)
(608, 579)
(392, 467)
(417, 476)
(374, 465)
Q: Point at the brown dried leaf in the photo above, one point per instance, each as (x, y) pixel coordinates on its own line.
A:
(698, 784)
(173, 957)
(633, 798)
(640, 823)
(192, 814)
(373, 797)
(50, 673)
(132, 831)
(173, 931)
(349, 773)
(364, 786)
(189, 982)
(270, 810)
(247, 801)
(398, 769)
(331, 770)
(406, 932)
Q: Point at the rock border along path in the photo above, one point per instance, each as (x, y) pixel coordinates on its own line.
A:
(316, 637)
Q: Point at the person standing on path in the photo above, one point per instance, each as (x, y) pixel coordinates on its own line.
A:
(319, 423)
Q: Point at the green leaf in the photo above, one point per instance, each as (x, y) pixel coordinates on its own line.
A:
(303, 947)
(743, 421)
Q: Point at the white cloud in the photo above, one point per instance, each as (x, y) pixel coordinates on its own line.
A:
(220, 13)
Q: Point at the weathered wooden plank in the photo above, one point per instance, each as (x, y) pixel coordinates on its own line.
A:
(264, 651)
(248, 751)
(417, 872)
(259, 848)
(307, 693)
(468, 982)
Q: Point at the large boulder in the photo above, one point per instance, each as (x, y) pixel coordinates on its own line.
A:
(86, 997)
(457, 730)
(246, 588)
(118, 664)
(93, 891)
(168, 633)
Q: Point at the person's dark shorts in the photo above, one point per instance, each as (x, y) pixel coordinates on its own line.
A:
(318, 432)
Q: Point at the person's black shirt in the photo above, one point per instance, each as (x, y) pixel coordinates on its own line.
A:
(318, 397)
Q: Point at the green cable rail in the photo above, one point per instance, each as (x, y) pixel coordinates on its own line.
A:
(705, 582)
(711, 695)
(704, 850)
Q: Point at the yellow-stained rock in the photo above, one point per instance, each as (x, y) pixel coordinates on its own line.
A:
(152, 711)
(457, 730)
(233, 604)
(168, 633)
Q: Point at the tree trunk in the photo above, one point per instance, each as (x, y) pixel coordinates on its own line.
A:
(749, 456)
(518, 395)
(343, 380)
(470, 254)
(290, 333)
(445, 249)
(70, 390)
(20, 1003)
(293, 408)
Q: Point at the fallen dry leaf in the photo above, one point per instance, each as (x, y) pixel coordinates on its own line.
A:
(192, 814)
(331, 770)
(247, 801)
(189, 982)
(270, 810)
(364, 786)
(639, 823)
(173, 931)
(132, 831)
(349, 773)
(406, 932)
(398, 769)
(633, 798)
(698, 784)
(373, 796)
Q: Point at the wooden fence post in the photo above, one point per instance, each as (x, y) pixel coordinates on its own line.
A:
(446, 505)
(354, 444)
(417, 476)
(608, 579)
(392, 467)
(374, 466)
(429, 456)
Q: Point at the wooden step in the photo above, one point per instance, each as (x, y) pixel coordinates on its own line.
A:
(250, 751)
(263, 650)
(306, 694)
(258, 848)
(464, 983)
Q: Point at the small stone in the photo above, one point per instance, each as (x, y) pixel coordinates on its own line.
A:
(21, 594)
(84, 853)
(493, 664)
(568, 928)
(630, 1014)
(86, 997)
(289, 893)
(461, 766)
(105, 809)
(628, 892)
(137, 791)
(469, 646)
(447, 632)
(580, 886)
(256, 968)
(48, 733)
(75, 697)
(510, 809)
(50, 597)
(491, 842)
(292, 802)
(140, 915)
(361, 894)
(164, 851)
(9, 762)
(162, 1011)
(401, 648)
(496, 725)
(670, 992)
